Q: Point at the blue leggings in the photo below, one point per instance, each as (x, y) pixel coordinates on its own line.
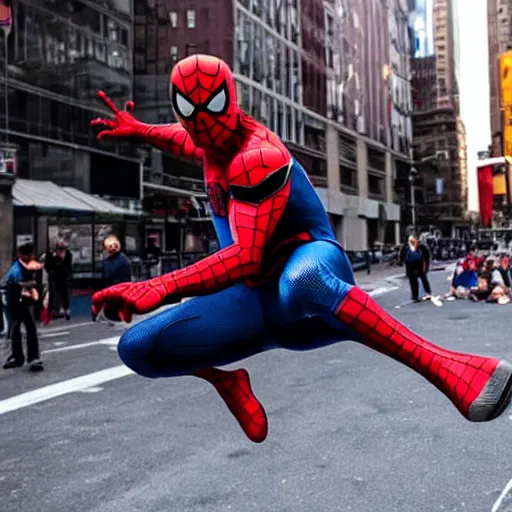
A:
(295, 311)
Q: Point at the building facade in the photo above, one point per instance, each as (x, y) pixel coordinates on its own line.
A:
(59, 54)
(445, 46)
(440, 153)
(495, 33)
(311, 71)
(399, 77)
(58, 58)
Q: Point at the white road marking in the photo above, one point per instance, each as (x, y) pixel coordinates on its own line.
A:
(63, 388)
(65, 327)
(383, 290)
(54, 334)
(93, 389)
(107, 341)
(499, 501)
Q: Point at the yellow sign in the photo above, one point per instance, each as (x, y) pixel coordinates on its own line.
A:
(506, 99)
(499, 184)
(506, 79)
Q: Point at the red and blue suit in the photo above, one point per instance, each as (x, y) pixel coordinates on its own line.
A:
(280, 279)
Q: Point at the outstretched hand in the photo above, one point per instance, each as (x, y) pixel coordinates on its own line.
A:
(122, 301)
(123, 125)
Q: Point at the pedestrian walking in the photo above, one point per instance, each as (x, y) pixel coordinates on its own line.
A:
(23, 285)
(416, 258)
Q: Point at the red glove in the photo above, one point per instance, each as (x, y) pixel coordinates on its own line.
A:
(124, 125)
(125, 299)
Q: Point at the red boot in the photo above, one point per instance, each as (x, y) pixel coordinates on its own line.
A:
(235, 389)
(480, 387)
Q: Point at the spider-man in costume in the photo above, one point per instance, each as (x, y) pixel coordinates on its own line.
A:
(280, 280)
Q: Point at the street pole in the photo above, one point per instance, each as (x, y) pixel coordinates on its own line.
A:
(413, 205)
(413, 202)
(6, 89)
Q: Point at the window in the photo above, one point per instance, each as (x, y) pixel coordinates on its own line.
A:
(174, 54)
(173, 16)
(191, 18)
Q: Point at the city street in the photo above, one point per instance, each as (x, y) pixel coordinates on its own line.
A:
(349, 429)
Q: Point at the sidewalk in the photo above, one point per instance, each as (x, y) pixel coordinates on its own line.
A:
(381, 276)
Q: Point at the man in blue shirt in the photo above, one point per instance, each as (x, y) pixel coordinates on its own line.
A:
(23, 285)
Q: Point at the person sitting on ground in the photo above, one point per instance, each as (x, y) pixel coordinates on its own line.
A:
(464, 278)
(482, 291)
(500, 283)
(504, 270)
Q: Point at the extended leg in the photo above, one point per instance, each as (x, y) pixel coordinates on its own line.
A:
(314, 283)
(479, 387)
(191, 338)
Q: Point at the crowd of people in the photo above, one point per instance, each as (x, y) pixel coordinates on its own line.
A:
(477, 277)
(482, 278)
(36, 290)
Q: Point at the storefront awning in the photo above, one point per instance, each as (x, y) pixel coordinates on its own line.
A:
(49, 197)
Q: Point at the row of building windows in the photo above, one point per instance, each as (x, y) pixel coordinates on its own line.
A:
(282, 17)
(266, 59)
(48, 52)
(37, 115)
(286, 121)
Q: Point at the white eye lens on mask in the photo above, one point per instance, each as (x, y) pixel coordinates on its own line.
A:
(218, 103)
(184, 107)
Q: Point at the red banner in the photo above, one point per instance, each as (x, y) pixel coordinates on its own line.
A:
(486, 194)
(5, 16)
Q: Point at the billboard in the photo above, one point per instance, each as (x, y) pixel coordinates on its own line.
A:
(502, 183)
(506, 99)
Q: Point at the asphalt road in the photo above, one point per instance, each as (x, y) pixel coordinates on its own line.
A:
(350, 430)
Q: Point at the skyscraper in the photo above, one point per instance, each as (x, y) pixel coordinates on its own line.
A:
(421, 24)
(439, 134)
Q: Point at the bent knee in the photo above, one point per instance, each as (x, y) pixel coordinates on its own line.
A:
(134, 350)
(312, 286)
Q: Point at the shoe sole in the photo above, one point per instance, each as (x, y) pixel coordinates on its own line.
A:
(495, 397)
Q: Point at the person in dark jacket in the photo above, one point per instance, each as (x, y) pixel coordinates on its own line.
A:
(59, 265)
(24, 286)
(116, 266)
(416, 258)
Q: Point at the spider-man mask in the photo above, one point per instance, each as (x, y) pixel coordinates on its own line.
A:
(204, 98)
